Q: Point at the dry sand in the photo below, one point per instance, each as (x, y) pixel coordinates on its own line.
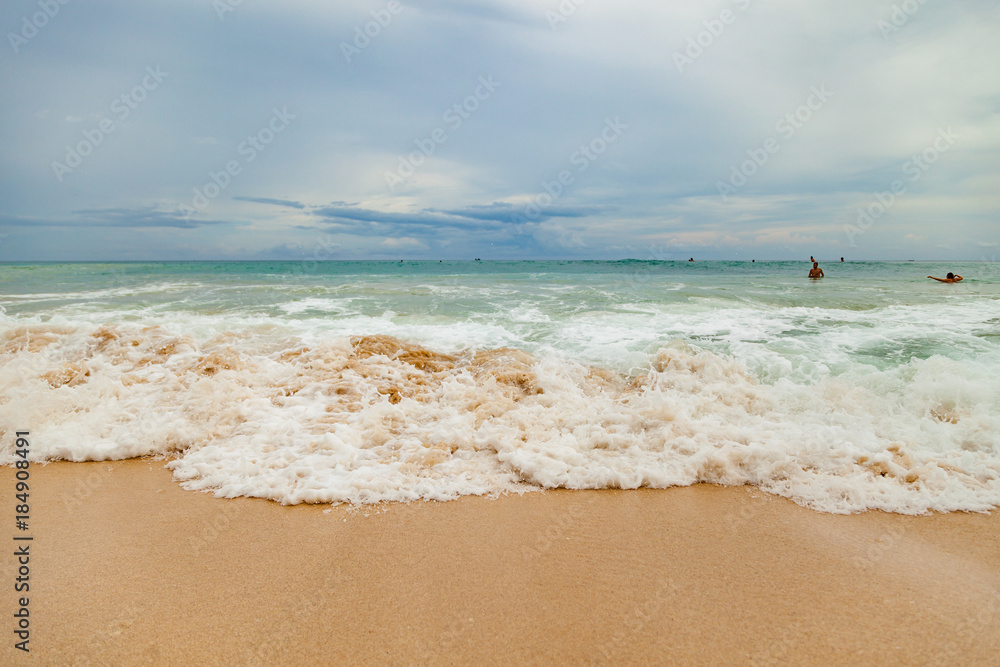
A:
(129, 568)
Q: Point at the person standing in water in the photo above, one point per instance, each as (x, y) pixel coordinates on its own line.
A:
(815, 271)
(950, 278)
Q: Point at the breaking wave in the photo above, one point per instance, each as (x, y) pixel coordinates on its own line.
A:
(366, 419)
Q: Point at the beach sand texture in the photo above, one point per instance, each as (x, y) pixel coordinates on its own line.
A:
(129, 568)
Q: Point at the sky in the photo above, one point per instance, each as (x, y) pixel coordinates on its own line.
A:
(500, 129)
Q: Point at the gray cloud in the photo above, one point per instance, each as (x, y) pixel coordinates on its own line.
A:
(506, 212)
(354, 121)
(418, 219)
(115, 217)
(274, 202)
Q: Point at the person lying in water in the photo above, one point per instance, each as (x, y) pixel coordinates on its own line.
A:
(951, 278)
(815, 271)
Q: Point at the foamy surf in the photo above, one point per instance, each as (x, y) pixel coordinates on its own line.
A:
(366, 419)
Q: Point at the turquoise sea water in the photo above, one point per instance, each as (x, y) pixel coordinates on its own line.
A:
(886, 356)
(630, 304)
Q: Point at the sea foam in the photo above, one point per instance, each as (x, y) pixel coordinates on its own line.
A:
(365, 419)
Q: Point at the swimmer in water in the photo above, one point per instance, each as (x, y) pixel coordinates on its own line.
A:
(815, 271)
(950, 278)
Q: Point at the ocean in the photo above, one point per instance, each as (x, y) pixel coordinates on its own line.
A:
(362, 382)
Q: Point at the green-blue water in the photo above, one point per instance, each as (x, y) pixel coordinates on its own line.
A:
(310, 381)
(632, 303)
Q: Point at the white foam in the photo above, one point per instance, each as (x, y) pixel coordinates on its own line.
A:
(332, 305)
(265, 413)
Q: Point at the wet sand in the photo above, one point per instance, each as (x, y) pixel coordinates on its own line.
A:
(129, 568)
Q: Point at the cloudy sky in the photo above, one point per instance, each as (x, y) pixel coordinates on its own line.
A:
(228, 129)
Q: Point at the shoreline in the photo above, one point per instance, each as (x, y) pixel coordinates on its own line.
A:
(130, 568)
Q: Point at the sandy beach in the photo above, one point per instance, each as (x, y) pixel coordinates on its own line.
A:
(500, 333)
(129, 568)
